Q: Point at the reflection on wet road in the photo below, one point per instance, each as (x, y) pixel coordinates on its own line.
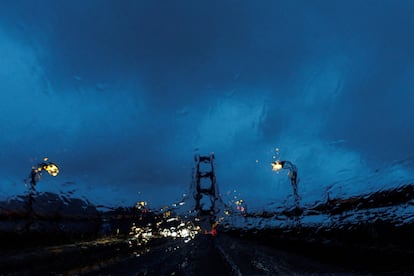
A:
(219, 255)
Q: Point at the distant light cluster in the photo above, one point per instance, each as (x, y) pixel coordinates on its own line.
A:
(141, 235)
(236, 204)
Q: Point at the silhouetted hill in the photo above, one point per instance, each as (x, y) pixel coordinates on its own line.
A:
(52, 218)
(47, 206)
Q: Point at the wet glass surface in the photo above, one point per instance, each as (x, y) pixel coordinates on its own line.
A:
(150, 128)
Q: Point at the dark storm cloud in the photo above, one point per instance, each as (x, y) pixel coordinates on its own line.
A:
(374, 112)
(122, 92)
(171, 45)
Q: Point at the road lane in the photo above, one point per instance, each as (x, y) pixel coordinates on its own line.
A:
(218, 255)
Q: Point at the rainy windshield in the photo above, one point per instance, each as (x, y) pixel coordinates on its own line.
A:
(186, 118)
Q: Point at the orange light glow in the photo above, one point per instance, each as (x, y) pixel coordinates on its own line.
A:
(276, 166)
(51, 169)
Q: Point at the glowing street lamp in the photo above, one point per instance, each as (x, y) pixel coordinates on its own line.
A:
(293, 175)
(49, 167)
(36, 173)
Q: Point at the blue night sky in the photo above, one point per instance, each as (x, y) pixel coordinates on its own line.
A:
(121, 94)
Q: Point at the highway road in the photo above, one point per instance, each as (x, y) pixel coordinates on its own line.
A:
(218, 255)
(228, 253)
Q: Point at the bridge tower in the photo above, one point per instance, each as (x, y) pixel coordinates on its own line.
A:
(205, 189)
